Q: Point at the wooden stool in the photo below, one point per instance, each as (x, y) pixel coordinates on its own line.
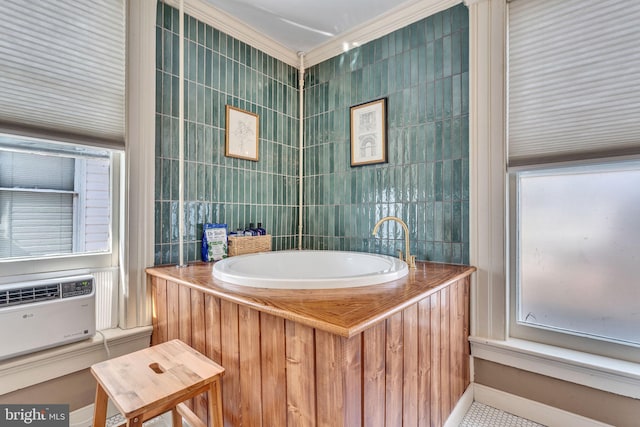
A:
(149, 382)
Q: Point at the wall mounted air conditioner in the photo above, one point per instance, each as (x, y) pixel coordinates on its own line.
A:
(45, 313)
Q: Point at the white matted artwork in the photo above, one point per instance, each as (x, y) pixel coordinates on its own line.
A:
(368, 133)
(242, 134)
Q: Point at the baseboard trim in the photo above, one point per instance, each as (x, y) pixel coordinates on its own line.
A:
(530, 409)
(516, 405)
(461, 408)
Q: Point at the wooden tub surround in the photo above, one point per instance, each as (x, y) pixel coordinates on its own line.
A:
(394, 354)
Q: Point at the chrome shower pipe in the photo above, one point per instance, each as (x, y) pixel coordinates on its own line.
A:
(301, 148)
(181, 135)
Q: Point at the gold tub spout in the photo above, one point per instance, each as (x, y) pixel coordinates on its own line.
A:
(409, 259)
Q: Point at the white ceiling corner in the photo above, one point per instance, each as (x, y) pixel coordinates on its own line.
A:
(320, 29)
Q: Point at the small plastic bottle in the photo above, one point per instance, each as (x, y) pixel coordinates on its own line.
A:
(261, 231)
(250, 230)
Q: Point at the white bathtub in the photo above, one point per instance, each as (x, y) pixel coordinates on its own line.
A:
(309, 269)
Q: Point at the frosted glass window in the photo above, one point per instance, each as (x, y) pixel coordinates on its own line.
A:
(578, 244)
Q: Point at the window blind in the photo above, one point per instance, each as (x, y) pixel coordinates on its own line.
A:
(36, 204)
(62, 70)
(573, 80)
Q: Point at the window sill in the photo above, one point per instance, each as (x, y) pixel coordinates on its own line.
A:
(35, 368)
(602, 373)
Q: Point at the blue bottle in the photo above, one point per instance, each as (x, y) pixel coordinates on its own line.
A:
(250, 230)
(261, 231)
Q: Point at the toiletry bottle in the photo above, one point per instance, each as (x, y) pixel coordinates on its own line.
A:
(255, 231)
(261, 231)
(240, 232)
(250, 231)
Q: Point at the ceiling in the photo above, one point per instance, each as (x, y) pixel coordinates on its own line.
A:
(302, 25)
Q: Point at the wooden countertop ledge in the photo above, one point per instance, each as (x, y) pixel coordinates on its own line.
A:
(345, 312)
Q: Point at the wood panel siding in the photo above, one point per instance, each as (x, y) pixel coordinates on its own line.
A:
(409, 368)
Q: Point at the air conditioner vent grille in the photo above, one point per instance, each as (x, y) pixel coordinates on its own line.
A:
(29, 295)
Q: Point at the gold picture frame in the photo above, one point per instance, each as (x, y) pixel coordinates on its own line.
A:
(369, 133)
(241, 134)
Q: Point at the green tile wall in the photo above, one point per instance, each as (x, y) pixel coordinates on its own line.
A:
(422, 70)
(221, 70)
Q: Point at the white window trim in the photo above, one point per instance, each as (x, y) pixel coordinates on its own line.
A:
(488, 208)
(138, 230)
(599, 372)
(85, 261)
(48, 364)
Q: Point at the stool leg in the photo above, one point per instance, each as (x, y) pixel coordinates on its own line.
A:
(215, 404)
(100, 407)
(176, 418)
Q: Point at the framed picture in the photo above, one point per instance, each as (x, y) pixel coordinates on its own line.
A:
(369, 133)
(242, 134)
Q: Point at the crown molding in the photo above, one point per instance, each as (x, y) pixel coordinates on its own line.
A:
(230, 25)
(397, 18)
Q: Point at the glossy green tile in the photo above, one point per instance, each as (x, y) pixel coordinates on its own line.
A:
(447, 90)
(456, 52)
(430, 138)
(421, 95)
(437, 26)
(446, 21)
(446, 139)
(165, 58)
(438, 181)
(439, 131)
(406, 114)
(464, 136)
(190, 142)
(446, 56)
(457, 182)
(399, 42)
(391, 41)
(464, 49)
(465, 93)
(430, 50)
(174, 99)
(438, 99)
(447, 180)
(438, 57)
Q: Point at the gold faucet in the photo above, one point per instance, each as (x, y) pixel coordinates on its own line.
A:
(410, 259)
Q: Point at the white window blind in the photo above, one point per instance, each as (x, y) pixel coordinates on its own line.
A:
(574, 80)
(62, 70)
(36, 204)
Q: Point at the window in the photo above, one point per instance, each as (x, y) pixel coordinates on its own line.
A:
(577, 245)
(62, 144)
(574, 175)
(54, 201)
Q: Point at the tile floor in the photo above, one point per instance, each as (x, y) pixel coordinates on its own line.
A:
(479, 415)
(163, 420)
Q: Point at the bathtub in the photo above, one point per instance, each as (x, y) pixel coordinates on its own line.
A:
(309, 269)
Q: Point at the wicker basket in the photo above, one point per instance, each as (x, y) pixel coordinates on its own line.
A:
(249, 244)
